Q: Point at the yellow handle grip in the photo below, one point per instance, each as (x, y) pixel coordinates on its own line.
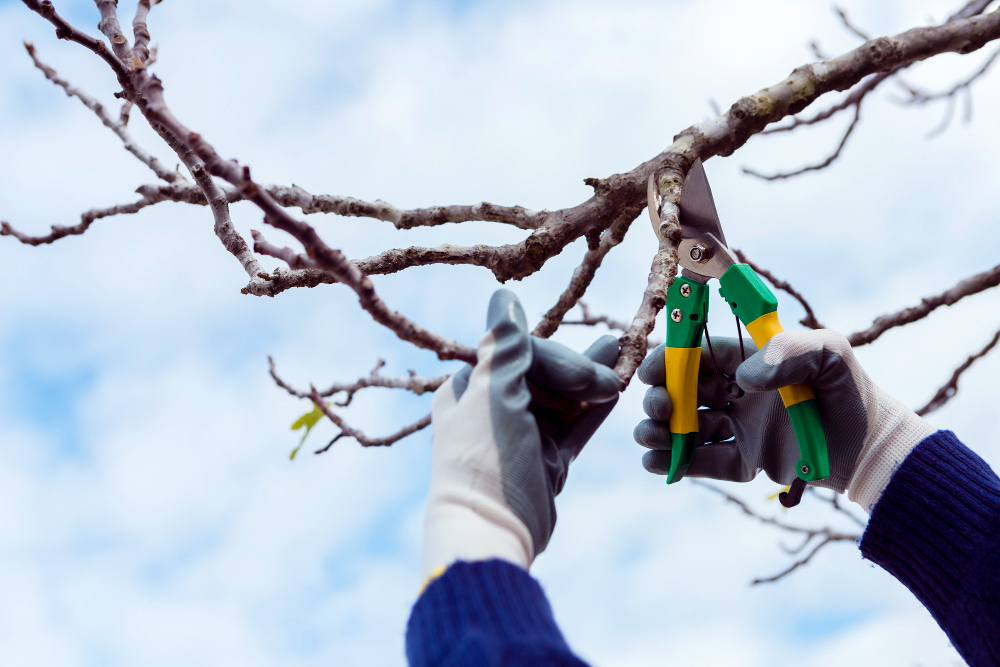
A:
(763, 329)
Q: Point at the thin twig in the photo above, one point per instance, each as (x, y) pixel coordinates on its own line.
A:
(850, 26)
(810, 319)
(351, 432)
(950, 388)
(584, 275)
(86, 219)
(967, 287)
(815, 167)
(828, 535)
(411, 382)
(116, 125)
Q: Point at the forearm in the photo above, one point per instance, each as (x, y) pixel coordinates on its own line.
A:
(485, 613)
(936, 528)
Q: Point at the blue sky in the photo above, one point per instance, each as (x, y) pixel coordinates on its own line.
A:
(148, 510)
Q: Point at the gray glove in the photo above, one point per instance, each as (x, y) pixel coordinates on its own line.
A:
(868, 432)
(499, 460)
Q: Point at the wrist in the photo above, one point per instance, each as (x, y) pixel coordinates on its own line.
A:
(466, 526)
(885, 453)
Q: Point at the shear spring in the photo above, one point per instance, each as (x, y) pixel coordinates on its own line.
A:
(728, 384)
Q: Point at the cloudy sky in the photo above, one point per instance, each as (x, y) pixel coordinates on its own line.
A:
(149, 514)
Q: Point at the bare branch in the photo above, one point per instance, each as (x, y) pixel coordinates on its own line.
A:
(363, 440)
(140, 31)
(834, 501)
(294, 196)
(720, 136)
(124, 114)
(66, 31)
(286, 254)
(852, 100)
(589, 319)
(116, 125)
(635, 341)
(810, 319)
(411, 382)
(113, 31)
(816, 167)
(850, 26)
(967, 287)
(802, 561)
(582, 277)
(828, 534)
(972, 8)
(86, 219)
(945, 393)
(918, 97)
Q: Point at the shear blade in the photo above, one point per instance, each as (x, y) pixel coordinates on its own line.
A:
(697, 207)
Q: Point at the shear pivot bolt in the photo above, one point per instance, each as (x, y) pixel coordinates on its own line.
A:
(685, 290)
(676, 315)
(804, 470)
(700, 253)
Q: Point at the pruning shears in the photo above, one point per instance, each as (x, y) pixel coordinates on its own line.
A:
(704, 255)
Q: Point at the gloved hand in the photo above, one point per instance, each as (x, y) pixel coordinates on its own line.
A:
(868, 432)
(498, 459)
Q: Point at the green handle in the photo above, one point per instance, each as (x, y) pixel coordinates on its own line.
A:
(755, 305)
(687, 308)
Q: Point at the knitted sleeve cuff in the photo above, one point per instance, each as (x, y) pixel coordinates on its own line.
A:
(488, 612)
(937, 530)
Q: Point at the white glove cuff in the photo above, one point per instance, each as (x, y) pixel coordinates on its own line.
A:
(886, 452)
(468, 526)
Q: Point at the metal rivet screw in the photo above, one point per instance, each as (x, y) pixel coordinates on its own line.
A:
(685, 290)
(676, 315)
(804, 469)
(700, 253)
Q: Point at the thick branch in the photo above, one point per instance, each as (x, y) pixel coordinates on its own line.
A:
(969, 286)
(945, 393)
(635, 341)
(810, 319)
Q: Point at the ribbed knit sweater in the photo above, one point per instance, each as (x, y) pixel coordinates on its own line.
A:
(936, 529)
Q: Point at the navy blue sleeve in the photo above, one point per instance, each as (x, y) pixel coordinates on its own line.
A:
(485, 613)
(937, 530)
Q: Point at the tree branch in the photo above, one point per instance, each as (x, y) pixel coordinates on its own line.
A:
(945, 393)
(829, 535)
(116, 125)
(816, 167)
(411, 382)
(635, 341)
(583, 276)
(810, 319)
(967, 287)
(140, 32)
(363, 440)
(86, 219)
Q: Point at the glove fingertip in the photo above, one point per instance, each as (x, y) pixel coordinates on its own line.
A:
(505, 307)
(604, 350)
(656, 462)
(652, 369)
